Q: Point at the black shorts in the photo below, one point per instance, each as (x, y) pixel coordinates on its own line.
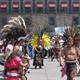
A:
(70, 66)
(71, 70)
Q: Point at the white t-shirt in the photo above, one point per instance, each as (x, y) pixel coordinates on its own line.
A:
(9, 49)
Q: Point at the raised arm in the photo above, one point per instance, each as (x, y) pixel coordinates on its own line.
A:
(23, 64)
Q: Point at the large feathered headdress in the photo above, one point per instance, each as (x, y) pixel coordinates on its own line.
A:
(73, 32)
(42, 40)
(14, 28)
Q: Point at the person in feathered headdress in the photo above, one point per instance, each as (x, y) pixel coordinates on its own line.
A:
(43, 40)
(37, 61)
(74, 33)
(12, 31)
(70, 54)
(39, 42)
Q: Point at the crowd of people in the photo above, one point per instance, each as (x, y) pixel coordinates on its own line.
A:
(14, 52)
(17, 53)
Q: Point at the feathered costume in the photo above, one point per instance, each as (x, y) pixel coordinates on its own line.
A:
(43, 40)
(34, 41)
(39, 42)
(74, 32)
(13, 29)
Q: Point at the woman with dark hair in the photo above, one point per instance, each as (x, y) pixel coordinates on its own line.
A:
(13, 64)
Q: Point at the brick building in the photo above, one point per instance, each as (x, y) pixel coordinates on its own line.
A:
(53, 12)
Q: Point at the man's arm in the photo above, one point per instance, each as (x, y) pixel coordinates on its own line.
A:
(78, 53)
(62, 56)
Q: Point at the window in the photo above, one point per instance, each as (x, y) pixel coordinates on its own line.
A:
(27, 21)
(64, 7)
(52, 7)
(39, 7)
(4, 21)
(15, 7)
(3, 7)
(75, 7)
(52, 20)
(27, 6)
(75, 21)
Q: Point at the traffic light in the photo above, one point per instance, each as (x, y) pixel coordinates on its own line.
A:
(15, 7)
(64, 7)
(52, 7)
(3, 7)
(75, 7)
(27, 7)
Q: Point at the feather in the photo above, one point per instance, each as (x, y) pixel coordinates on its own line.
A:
(34, 41)
(15, 28)
(74, 33)
(46, 40)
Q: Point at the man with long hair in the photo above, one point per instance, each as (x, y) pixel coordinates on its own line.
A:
(70, 55)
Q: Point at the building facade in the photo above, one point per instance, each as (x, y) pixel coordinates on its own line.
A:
(52, 12)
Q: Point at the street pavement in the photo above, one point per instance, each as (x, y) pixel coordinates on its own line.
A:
(50, 71)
